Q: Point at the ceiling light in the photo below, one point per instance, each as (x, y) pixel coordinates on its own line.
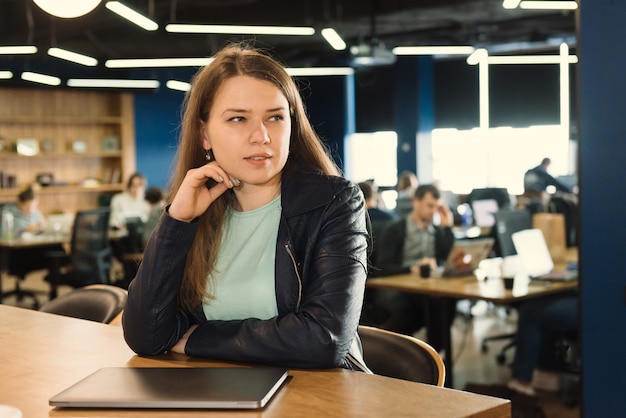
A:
(319, 71)
(510, 4)
(64, 54)
(333, 38)
(5, 75)
(477, 56)
(548, 5)
(9, 50)
(530, 59)
(113, 83)
(241, 30)
(433, 50)
(131, 15)
(157, 62)
(178, 85)
(67, 8)
(41, 78)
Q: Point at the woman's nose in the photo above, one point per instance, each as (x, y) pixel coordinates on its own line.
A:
(259, 133)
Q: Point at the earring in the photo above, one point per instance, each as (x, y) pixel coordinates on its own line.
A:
(209, 155)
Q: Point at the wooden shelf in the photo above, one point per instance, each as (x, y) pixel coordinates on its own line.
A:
(57, 119)
(66, 155)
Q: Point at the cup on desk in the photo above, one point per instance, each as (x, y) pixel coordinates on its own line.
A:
(425, 270)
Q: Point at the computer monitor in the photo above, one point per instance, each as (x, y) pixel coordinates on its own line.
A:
(499, 194)
(509, 221)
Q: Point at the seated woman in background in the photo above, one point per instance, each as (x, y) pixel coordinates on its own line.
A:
(130, 203)
(261, 256)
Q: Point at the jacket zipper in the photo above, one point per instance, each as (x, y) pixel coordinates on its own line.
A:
(295, 267)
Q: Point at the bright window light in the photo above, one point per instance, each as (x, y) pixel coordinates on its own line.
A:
(333, 38)
(372, 156)
(178, 85)
(132, 15)
(6, 75)
(241, 30)
(113, 83)
(157, 62)
(73, 57)
(497, 157)
(10, 50)
(433, 50)
(41, 78)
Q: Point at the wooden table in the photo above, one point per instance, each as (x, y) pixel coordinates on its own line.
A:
(35, 242)
(42, 354)
(469, 287)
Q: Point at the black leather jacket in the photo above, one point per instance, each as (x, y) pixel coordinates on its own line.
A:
(320, 278)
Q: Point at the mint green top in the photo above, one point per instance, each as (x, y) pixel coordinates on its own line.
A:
(244, 272)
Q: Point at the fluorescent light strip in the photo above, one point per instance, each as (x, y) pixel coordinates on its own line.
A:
(113, 83)
(477, 56)
(245, 30)
(9, 50)
(41, 78)
(131, 15)
(548, 5)
(6, 75)
(319, 71)
(333, 38)
(157, 62)
(64, 54)
(178, 85)
(530, 59)
(433, 50)
(510, 4)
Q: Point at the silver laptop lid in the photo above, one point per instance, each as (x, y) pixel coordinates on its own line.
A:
(200, 388)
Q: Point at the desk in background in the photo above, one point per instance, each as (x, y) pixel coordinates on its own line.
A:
(44, 353)
(468, 287)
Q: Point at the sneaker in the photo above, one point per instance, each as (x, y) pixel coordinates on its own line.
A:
(521, 388)
(548, 381)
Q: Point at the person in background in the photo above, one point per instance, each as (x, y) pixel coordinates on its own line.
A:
(405, 245)
(130, 203)
(379, 219)
(407, 183)
(540, 323)
(26, 215)
(261, 254)
(537, 179)
(154, 196)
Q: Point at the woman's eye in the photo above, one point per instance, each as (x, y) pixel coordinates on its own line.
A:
(277, 117)
(236, 119)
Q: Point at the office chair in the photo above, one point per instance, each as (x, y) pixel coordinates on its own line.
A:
(89, 260)
(401, 356)
(97, 302)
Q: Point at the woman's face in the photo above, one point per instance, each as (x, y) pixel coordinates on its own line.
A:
(249, 130)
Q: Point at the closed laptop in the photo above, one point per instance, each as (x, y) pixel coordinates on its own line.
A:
(180, 388)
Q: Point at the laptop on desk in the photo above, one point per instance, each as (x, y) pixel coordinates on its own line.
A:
(178, 388)
(465, 256)
(532, 249)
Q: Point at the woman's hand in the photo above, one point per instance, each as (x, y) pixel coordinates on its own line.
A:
(179, 347)
(193, 198)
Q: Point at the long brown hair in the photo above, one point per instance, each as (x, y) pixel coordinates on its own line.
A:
(305, 149)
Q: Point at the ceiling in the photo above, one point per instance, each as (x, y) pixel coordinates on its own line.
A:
(104, 35)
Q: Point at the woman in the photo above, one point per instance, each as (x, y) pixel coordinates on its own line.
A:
(261, 255)
(131, 203)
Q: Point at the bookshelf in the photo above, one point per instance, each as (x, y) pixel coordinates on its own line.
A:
(83, 140)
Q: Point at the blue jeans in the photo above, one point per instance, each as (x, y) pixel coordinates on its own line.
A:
(540, 323)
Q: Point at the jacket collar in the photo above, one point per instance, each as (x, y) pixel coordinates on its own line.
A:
(306, 190)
